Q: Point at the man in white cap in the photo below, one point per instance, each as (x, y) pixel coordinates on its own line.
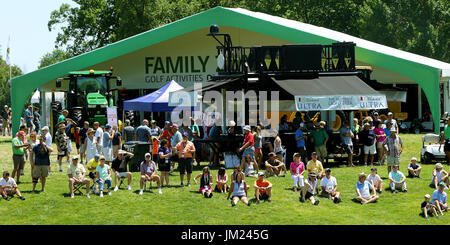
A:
(300, 138)
(394, 125)
(77, 173)
(5, 124)
(394, 148)
(414, 169)
(248, 147)
(48, 136)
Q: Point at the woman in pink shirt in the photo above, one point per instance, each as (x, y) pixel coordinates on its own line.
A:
(297, 167)
(381, 136)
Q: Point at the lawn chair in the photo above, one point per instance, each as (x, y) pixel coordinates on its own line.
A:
(121, 181)
(77, 188)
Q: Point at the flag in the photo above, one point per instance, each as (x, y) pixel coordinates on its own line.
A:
(8, 51)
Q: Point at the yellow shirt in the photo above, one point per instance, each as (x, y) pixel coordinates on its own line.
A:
(92, 164)
(314, 167)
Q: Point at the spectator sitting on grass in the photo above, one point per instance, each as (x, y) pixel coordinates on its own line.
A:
(8, 187)
(439, 175)
(250, 166)
(310, 188)
(239, 189)
(205, 182)
(375, 180)
(221, 180)
(439, 199)
(328, 185)
(274, 166)
(263, 189)
(363, 188)
(397, 180)
(414, 169)
(428, 208)
(297, 168)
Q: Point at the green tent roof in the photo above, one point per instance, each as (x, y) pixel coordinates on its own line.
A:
(426, 72)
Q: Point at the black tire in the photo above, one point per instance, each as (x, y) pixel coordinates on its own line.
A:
(77, 115)
(56, 112)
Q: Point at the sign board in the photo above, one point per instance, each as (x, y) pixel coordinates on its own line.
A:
(340, 102)
(111, 113)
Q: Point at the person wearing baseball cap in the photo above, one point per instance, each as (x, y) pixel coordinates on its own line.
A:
(393, 146)
(439, 175)
(394, 125)
(319, 137)
(328, 184)
(148, 173)
(427, 208)
(439, 198)
(414, 169)
(397, 180)
(155, 131)
(263, 189)
(363, 188)
(77, 173)
(310, 188)
(274, 166)
(368, 139)
(186, 151)
(18, 149)
(248, 147)
(61, 144)
(315, 166)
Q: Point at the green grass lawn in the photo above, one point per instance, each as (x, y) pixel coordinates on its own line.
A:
(184, 206)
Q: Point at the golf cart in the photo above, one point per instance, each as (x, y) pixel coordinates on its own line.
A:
(431, 150)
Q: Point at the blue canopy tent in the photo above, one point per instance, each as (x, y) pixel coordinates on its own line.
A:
(157, 101)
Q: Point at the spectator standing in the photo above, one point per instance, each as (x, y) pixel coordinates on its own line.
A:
(47, 135)
(61, 144)
(297, 120)
(176, 138)
(98, 138)
(166, 133)
(148, 173)
(394, 125)
(108, 136)
(119, 165)
(381, 137)
(33, 141)
(248, 147)
(18, 149)
(297, 168)
(143, 132)
(82, 135)
(347, 143)
(164, 164)
(363, 189)
(375, 180)
(154, 129)
(445, 136)
(414, 169)
(328, 184)
(185, 150)
(257, 138)
(9, 187)
(77, 173)
(439, 198)
(320, 138)
(394, 148)
(29, 118)
(263, 189)
(77, 140)
(300, 139)
(397, 180)
(116, 141)
(196, 136)
(376, 120)
(128, 132)
(36, 120)
(367, 137)
(103, 175)
(5, 118)
(90, 150)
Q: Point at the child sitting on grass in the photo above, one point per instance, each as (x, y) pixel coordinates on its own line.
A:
(428, 208)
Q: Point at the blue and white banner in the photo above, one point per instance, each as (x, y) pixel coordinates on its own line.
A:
(340, 102)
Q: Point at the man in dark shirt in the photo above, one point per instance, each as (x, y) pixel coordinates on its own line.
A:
(119, 166)
(128, 131)
(143, 132)
(41, 153)
(368, 139)
(83, 136)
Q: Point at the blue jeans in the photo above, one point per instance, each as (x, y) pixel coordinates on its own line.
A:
(108, 181)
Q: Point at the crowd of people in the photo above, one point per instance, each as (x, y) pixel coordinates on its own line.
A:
(100, 148)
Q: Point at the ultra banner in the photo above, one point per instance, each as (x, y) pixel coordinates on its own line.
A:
(340, 102)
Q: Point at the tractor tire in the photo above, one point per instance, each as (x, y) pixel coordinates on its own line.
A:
(340, 119)
(77, 115)
(56, 112)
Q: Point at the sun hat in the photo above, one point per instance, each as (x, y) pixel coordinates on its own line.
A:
(101, 158)
(373, 169)
(174, 125)
(366, 124)
(260, 174)
(147, 155)
(75, 157)
(45, 128)
(327, 170)
(313, 175)
(22, 133)
(121, 152)
(247, 127)
(62, 125)
(360, 175)
(438, 165)
(375, 113)
(427, 195)
(166, 122)
(390, 113)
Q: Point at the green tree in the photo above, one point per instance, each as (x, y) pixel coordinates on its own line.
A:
(53, 57)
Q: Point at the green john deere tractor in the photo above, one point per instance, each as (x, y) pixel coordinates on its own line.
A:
(88, 95)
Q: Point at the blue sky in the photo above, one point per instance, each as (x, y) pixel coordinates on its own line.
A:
(26, 22)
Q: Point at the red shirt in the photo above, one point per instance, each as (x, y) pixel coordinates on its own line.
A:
(249, 138)
(166, 135)
(77, 137)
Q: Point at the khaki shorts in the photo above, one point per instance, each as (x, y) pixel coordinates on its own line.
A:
(321, 151)
(40, 171)
(391, 161)
(115, 149)
(19, 161)
(4, 124)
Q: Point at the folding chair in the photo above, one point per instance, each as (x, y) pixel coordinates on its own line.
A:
(121, 181)
(145, 184)
(77, 188)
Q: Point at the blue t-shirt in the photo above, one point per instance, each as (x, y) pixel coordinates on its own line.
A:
(42, 155)
(437, 195)
(142, 133)
(387, 132)
(364, 188)
(106, 142)
(298, 134)
(27, 114)
(347, 140)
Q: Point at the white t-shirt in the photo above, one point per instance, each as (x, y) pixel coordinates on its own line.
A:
(374, 179)
(329, 184)
(99, 133)
(48, 139)
(312, 185)
(10, 182)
